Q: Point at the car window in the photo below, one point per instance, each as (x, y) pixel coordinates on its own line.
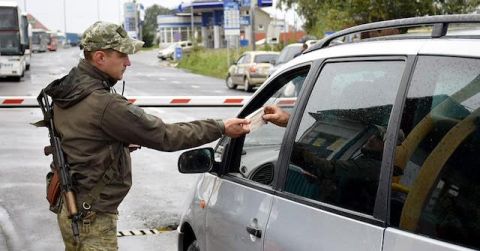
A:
(241, 59)
(247, 59)
(288, 53)
(261, 147)
(437, 192)
(265, 58)
(338, 149)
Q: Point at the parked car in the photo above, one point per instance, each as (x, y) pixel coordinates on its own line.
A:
(251, 69)
(317, 184)
(169, 51)
(287, 54)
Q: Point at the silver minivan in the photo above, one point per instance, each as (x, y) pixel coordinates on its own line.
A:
(380, 151)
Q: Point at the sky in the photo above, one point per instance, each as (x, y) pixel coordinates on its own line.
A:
(81, 14)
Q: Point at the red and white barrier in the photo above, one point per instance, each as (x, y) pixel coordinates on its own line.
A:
(146, 101)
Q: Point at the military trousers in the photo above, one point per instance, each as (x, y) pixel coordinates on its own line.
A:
(98, 232)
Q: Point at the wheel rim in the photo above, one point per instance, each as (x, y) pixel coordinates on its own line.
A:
(230, 82)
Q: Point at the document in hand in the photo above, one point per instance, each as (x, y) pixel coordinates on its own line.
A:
(256, 120)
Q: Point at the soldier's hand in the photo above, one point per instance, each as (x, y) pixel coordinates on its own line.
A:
(236, 127)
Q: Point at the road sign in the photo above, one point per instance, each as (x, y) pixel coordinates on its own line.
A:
(178, 53)
(231, 18)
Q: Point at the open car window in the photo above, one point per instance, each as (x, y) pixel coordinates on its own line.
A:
(261, 146)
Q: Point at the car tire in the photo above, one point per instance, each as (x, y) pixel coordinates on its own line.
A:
(229, 82)
(193, 246)
(246, 85)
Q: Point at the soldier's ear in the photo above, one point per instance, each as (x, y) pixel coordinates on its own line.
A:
(98, 57)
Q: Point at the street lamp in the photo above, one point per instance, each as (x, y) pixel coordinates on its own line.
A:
(64, 18)
(252, 23)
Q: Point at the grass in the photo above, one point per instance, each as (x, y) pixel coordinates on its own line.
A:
(209, 62)
(212, 62)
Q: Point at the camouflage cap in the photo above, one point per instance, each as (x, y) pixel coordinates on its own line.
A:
(104, 35)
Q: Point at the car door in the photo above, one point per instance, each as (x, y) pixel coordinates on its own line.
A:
(435, 201)
(241, 198)
(332, 159)
(242, 68)
(235, 71)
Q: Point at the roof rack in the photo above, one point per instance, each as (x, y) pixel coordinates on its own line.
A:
(440, 26)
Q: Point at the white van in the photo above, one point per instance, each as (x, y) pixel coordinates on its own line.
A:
(380, 151)
(169, 51)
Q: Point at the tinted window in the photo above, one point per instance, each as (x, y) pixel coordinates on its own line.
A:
(9, 18)
(338, 148)
(438, 193)
(265, 58)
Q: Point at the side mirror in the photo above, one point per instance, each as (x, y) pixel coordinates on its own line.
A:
(196, 161)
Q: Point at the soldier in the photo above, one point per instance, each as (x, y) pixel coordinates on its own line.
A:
(96, 126)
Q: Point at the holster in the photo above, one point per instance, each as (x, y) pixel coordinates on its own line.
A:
(54, 190)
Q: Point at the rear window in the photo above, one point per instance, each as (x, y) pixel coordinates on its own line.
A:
(265, 58)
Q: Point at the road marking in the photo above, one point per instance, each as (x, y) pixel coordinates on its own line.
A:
(195, 86)
(176, 82)
(141, 232)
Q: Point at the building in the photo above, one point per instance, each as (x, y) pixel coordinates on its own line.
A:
(209, 20)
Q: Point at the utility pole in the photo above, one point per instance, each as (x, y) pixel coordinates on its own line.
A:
(98, 10)
(64, 18)
(25, 5)
(252, 23)
(192, 32)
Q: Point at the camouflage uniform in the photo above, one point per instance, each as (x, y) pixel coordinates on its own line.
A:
(96, 126)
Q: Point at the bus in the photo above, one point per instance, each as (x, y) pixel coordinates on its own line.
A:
(27, 39)
(12, 41)
(40, 40)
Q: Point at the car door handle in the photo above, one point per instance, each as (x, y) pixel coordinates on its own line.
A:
(255, 232)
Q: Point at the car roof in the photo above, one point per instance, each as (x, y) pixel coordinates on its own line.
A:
(447, 45)
(260, 52)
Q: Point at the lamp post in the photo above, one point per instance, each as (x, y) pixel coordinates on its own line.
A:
(98, 10)
(192, 34)
(64, 18)
(252, 23)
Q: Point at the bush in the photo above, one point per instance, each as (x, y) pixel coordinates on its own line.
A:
(210, 62)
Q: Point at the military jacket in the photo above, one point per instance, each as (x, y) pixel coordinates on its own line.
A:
(96, 126)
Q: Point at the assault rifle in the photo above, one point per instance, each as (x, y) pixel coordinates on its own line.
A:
(60, 166)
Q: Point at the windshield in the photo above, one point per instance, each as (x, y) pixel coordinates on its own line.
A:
(37, 37)
(9, 43)
(288, 53)
(8, 18)
(265, 58)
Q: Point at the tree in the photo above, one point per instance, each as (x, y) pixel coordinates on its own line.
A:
(150, 23)
(332, 15)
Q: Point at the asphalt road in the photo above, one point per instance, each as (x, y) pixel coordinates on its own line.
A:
(159, 191)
